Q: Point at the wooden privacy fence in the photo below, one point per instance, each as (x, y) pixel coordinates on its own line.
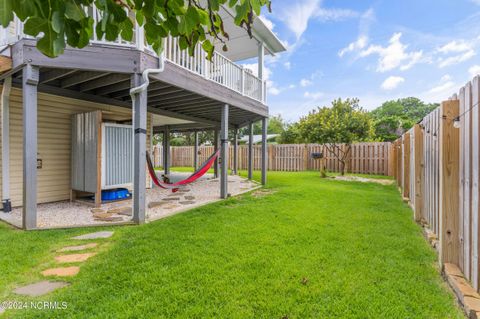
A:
(366, 158)
(437, 168)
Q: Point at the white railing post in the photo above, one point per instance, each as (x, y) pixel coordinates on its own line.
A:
(242, 81)
(139, 37)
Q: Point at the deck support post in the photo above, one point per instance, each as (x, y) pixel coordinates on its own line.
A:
(224, 153)
(264, 150)
(139, 150)
(166, 150)
(30, 80)
(250, 150)
(235, 151)
(215, 146)
(5, 100)
(195, 150)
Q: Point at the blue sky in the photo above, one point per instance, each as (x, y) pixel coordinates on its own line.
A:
(375, 50)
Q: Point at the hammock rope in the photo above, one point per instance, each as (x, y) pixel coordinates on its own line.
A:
(196, 175)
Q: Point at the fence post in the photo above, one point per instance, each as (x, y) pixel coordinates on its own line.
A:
(406, 165)
(449, 140)
(418, 168)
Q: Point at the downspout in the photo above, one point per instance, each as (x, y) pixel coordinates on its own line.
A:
(146, 79)
(5, 106)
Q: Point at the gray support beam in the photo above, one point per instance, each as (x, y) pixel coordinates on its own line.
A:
(166, 151)
(195, 150)
(215, 146)
(250, 150)
(264, 150)
(7, 85)
(235, 151)
(224, 153)
(139, 150)
(30, 79)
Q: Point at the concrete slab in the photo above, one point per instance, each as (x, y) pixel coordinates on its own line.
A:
(96, 235)
(74, 258)
(62, 271)
(78, 248)
(40, 288)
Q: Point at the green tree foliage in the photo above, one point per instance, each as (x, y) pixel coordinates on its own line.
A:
(291, 135)
(65, 22)
(276, 125)
(345, 122)
(393, 118)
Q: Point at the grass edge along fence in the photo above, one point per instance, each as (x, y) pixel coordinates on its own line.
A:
(437, 170)
(364, 158)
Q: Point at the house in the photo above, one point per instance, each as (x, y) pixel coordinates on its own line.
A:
(66, 123)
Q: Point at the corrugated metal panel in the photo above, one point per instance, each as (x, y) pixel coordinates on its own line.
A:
(92, 125)
(118, 155)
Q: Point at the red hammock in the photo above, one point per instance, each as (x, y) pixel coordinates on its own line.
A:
(175, 186)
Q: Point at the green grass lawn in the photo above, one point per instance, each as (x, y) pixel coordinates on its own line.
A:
(315, 248)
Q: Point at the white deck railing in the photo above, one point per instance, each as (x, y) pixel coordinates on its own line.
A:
(220, 69)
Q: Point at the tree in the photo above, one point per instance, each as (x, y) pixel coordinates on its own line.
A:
(342, 123)
(394, 118)
(291, 135)
(65, 22)
(276, 125)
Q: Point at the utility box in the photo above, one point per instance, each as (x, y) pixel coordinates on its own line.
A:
(117, 155)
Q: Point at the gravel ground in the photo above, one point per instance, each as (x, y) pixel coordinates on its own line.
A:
(203, 191)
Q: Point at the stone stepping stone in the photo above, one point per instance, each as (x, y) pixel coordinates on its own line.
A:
(102, 215)
(62, 272)
(183, 190)
(172, 195)
(188, 202)
(40, 288)
(171, 206)
(156, 204)
(189, 197)
(109, 219)
(78, 248)
(99, 234)
(74, 258)
(97, 210)
(125, 211)
(171, 198)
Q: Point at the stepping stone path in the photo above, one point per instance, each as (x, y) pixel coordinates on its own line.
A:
(74, 258)
(40, 288)
(184, 190)
(46, 286)
(125, 211)
(156, 204)
(100, 234)
(97, 210)
(78, 248)
(62, 272)
(188, 202)
(189, 197)
(171, 198)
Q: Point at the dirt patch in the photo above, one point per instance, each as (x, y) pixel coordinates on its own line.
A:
(364, 180)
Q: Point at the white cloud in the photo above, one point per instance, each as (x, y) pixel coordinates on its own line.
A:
(364, 25)
(300, 12)
(461, 50)
(313, 95)
(394, 55)
(274, 90)
(392, 82)
(474, 70)
(359, 44)
(287, 65)
(447, 86)
(305, 82)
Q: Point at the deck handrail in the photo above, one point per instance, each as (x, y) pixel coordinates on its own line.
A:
(220, 69)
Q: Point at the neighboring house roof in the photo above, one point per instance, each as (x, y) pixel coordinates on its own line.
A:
(258, 138)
